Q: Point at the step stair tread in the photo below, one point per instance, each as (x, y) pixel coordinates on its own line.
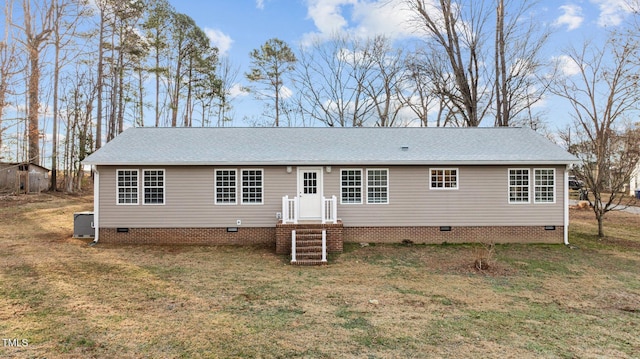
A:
(308, 262)
(308, 249)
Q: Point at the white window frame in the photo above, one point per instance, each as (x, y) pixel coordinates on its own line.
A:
(386, 186)
(144, 187)
(215, 187)
(444, 182)
(509, 186)
(342, 187)
(137, 184)
(552, 187)
(242, 187)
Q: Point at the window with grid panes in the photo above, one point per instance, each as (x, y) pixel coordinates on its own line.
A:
(351, 186)
(444, 178)
(252, 186)
(226, 186)
(127, 186)
(377, 186)
(519, 185)
(153, 186)
(544, 185)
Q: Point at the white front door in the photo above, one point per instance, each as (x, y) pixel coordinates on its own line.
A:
(310, 192)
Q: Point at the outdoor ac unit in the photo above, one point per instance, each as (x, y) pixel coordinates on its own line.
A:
(83, 225)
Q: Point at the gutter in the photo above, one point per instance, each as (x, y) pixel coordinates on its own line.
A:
(337, 162)
(566, 206)
(96, 206)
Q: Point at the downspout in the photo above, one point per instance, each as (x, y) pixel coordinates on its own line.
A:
(566, 205)
(96, 206)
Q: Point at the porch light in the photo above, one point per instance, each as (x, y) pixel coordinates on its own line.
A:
(328, 169)
(289, 169)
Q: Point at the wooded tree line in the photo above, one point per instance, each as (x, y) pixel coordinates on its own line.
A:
(75, 73)
(97, 58)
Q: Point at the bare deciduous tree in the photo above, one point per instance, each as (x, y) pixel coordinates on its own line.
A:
(385, 82)
(344, 82)
(37, 27)
(603, 95)
(9, 66)
(519, 42)
(458, 31)
(228, 74)
(66, 17)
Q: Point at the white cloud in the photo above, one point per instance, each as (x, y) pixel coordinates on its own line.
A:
(285, 92)
(327, 14)
(359, 17)
(260, 4)
(391, 18)
(613, 12)
(237, 91)
(572, 17)
(219, 39)
(567, 65)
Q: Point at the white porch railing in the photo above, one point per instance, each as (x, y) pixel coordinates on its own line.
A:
(293, 246)
(291, 210)
(329, 210)
(324, 245)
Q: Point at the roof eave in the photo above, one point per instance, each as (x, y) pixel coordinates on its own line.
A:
(344, 163)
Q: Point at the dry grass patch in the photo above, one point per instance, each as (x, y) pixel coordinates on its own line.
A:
(70, 300)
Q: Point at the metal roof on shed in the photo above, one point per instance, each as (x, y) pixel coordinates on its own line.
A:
(337, 146)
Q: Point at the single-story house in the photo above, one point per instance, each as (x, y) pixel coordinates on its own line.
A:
(23, 177)
(261, 185)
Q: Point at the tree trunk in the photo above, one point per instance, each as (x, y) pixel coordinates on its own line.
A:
(600, 225)
(176, 94)
(121, 95)
(34, 81)
(141, 95)
(499, 45)
(53, 186)
(99, 82)
(157, 87)
(187, 111)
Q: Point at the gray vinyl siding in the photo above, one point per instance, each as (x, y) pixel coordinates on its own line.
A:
(189, 200)
(481, 200)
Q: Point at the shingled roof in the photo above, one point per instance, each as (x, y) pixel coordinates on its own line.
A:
(336, 146)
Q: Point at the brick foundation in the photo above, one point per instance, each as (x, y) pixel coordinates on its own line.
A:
(334, 236)
(433, 235)
(280, 235)
(220, 236)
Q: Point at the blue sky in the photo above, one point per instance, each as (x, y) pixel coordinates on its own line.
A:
(237, 27)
